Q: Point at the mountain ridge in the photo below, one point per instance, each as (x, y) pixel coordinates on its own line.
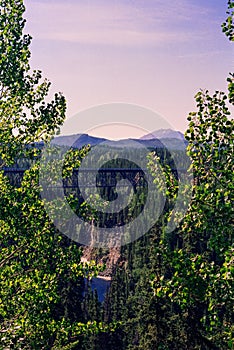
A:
(164, 134)
(157, 139)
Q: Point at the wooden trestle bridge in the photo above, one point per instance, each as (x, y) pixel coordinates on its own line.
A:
(105, 177)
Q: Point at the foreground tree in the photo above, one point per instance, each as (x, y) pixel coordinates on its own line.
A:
(199, 278)
(25, 117)
(40, 270)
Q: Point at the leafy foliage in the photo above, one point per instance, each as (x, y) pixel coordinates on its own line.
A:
(228, 25)
(199, 276)
(40, 270)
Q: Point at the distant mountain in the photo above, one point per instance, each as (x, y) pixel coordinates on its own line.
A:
(80, 140)
(158, 139)
(152, 143)
(164, 134)
(77, 140)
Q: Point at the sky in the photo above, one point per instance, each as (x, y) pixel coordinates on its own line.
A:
(152, 53)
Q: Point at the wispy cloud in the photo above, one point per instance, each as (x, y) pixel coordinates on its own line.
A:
(204, 54)
(108, 23)
(156, 53)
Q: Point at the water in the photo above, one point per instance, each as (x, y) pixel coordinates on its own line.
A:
(101, 285)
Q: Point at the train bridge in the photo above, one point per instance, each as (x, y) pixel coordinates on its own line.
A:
(91, 177)
(104, 177)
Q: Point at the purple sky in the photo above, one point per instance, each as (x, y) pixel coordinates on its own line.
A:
(153, 53)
